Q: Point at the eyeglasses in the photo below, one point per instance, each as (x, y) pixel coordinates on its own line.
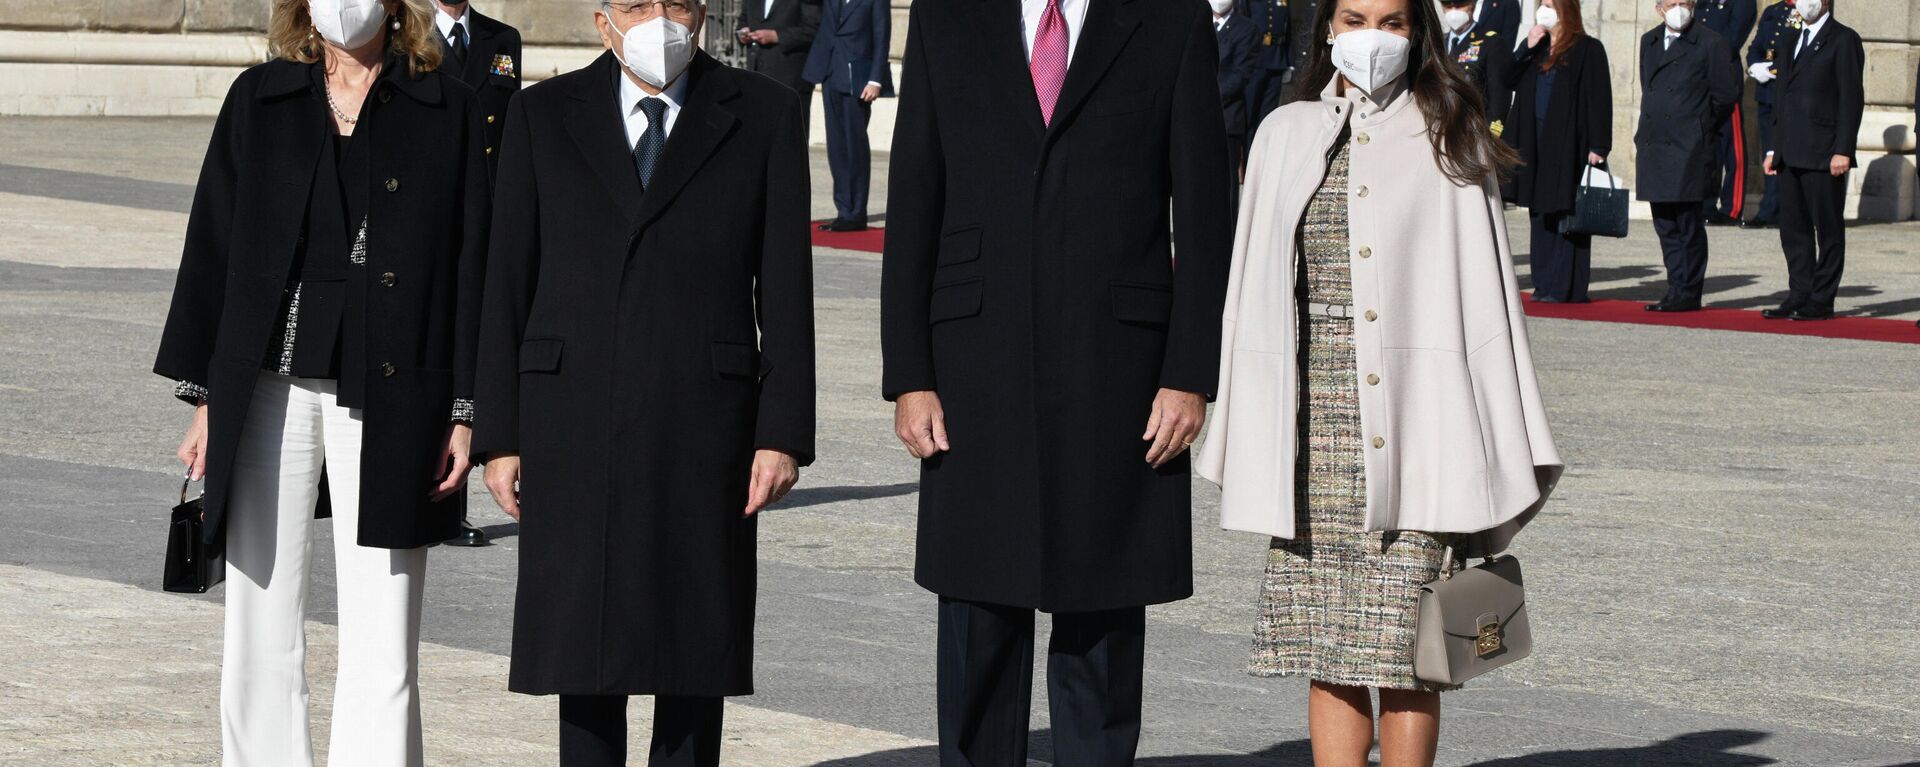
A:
(680, 10)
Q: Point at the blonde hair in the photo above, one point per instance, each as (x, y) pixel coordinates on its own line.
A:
(290, 35)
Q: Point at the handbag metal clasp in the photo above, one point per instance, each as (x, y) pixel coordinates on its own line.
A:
(1489, 641)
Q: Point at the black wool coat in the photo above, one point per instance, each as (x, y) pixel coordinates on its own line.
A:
(1029, 279)
(1579, 120)
(418, 294)
(1686, 91)
(636, 349)
(1818, 97)
(492, 70)
(796, 21)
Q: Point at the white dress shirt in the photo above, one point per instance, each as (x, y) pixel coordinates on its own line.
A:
(1812, 31)
(1671, 36)
(636, 119)
(447, 23)
(1075, 12)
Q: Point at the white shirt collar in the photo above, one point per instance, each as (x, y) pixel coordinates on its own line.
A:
(1074, 11)
(1813, 29)
(446, 23)
(675, 94)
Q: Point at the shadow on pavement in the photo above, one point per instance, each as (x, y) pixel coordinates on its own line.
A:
(1040, 747)
(814, 496)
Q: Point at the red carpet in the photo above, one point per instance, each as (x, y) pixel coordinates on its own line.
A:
(1611, 310)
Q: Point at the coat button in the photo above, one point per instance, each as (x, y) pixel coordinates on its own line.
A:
(385, 95)
(1371, 316)
(1366, 252)
(1360, 138)
(1362, 191)
(489, 119)
(489, 151)
(386, 369)
(1379, 442)
(393, 185)
(1373, 379)
(386, 279)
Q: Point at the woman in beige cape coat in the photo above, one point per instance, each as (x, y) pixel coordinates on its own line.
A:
(1419, 425)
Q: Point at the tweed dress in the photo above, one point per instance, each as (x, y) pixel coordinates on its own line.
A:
(1338, 603)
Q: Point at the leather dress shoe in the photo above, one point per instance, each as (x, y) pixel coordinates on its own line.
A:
(1781, 312)
(1717, 218)
(1814, 313)
(828, 226)
(1675, 306)
(846, 225)
(1756, 223)
(1540, 299)
(469, 537)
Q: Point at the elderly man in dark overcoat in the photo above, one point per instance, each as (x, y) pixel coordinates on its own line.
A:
(1690, 82)
(647, 374)
(1049, 360)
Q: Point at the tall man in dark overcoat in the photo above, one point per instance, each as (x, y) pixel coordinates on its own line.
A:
(1048, 349)
(1689, 82)
(646, 379)
(849, 60)
(1816, 126)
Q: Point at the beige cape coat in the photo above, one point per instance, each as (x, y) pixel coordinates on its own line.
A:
(1454, 433)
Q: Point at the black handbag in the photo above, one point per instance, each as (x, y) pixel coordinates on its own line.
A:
(193, 566)
(1597, 211)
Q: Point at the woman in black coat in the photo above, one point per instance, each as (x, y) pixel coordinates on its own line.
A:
(1561, 122)
(324, 325)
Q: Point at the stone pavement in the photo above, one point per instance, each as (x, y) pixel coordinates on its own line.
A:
(1725, 579)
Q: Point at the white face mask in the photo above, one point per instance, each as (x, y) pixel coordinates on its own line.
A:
(1810, 10)
(1456, 19)
(1220, 7)
(1678, 17)
(656, 50)
(347, 23)
(1546, 17)
(1370, 58)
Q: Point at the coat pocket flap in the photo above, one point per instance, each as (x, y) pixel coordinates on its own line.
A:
(959, 246)
(540, 355)
(1151, 304)
(952, 302)
(735, 359)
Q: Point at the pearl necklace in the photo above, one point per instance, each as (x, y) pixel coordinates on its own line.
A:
(336, 107)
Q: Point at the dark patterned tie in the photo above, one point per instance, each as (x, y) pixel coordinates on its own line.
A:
(457, 47)
(646, 151)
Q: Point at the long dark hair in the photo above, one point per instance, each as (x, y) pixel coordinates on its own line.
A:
(1565, 34)
(1456, 113)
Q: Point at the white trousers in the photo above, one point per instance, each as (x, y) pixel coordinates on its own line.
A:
(294, 426)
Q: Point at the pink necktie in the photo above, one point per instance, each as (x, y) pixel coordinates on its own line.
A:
(1049, 62)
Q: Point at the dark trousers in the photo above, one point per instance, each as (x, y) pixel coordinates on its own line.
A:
(593, 731)
(1813, 233)
(1770, 197)
(1683, 245)
(848, 155)
(1561, 264)
(1731, 154)
(1094, 667)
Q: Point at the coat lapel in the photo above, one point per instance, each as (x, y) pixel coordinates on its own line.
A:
(704, 123)
(480, 49)
(1109, 24)
(999, 36)
(1800, 57)
(844, 10)
(597, 129)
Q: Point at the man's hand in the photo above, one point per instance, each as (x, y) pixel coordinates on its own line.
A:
(455, 461)
(503, 481)
(1839, 166)
(766, 36)
(920, 424)
(743, 35)
(774, 473)
(869, 93)
(1761, 72)
(193, 446)
(1176, 420)
(1766, 166)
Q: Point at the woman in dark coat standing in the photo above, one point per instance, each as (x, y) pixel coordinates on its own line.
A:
(324, 324)
(1561, 122)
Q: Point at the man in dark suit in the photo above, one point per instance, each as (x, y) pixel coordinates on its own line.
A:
(1237, 40)
(484, 54)
(778, 35)
(1271, 61)
(1501, 16)
(1689, 81)
(1816, 122)
(1726, 202)
(849, 61)
(1032, 311)
(1483, 53)
(648, 356)
(1779, 26)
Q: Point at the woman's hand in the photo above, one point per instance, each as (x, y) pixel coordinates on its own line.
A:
(774, 473)
(193, 447)
(454, 461)
(1535, 35)
(1594, 158)
(503, 481)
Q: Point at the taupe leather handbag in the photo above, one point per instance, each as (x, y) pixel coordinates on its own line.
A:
(1471, 622)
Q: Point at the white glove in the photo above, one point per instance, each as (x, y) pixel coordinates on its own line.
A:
(1761, 72)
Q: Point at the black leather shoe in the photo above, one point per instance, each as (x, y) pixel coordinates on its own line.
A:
(1717, 218)
(1674, 306)
(1781, 312)
(1540, 299)
(470, 537)
(1756, 223)
(1814, 313)
(846, 225)
(828, 226)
